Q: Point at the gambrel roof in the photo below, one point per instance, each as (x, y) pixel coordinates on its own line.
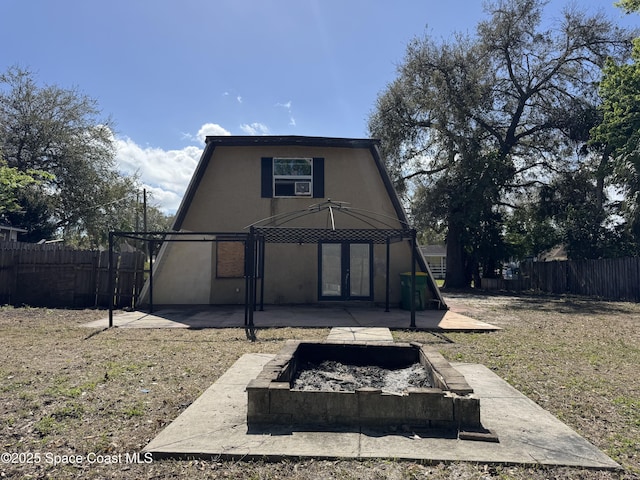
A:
(213, 142)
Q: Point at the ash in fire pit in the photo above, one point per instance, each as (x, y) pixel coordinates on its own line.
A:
(333, 376)
(339, 389)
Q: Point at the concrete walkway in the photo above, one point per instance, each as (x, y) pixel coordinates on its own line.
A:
(212, 316)
(215, 426)
(367, 334)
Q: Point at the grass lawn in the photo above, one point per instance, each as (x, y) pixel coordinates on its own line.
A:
(90, 400)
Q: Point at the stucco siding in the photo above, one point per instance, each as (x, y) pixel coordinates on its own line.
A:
(228, 199)
(291, 273)
(184, 274)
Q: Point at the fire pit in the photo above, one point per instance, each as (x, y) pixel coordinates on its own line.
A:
(437, 398)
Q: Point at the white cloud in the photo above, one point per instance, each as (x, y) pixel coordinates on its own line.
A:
(211, 129)
(167, 201)
(287, 107)
(165, 173)
(207, 129)
(255, 128)
(228, 94)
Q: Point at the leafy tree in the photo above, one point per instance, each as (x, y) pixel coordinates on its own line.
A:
(563, 212)
(528, 232)
(113, 209)
(477, 120)
(619, 132)
(157, 220)
(569, 202)
(629, 5)
(12, 183)
(59, 132)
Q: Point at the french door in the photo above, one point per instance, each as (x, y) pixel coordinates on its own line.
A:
(345, 271)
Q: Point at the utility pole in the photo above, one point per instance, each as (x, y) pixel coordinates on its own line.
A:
(144, 210)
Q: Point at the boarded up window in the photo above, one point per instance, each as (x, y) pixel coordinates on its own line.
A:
(230, 260)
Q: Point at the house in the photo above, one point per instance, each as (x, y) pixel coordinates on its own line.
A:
(436, 257)
(317, 217)
(9, 233)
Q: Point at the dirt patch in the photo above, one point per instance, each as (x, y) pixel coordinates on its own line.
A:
(76, 392)
(332, 376)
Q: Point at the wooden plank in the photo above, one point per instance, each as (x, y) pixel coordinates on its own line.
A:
(229, 259)
(126, 280)
(85, 280)
(55, 276)
(7, 275)
(102, 280)
(615, 279)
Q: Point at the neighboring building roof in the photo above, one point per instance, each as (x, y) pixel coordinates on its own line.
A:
(434, 250)
(15, 229)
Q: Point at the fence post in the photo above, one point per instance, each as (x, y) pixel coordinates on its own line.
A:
(150, 246)
(111, 282)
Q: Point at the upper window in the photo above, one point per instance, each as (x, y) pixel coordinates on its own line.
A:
(292, 177)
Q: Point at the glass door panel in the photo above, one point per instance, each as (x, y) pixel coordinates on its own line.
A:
(359, 270)
(331, 270)
(345, 271)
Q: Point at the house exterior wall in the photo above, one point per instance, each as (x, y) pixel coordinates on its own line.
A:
(10, 234)
(228, 199)
(437, 265)
(184, 278)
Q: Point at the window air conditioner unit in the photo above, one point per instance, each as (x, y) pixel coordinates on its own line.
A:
(302, 188)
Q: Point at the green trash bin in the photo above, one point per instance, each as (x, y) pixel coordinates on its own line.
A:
(421, 294)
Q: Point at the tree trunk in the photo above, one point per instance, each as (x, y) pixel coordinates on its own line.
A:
(601, 173)
(475, 273)
(456, 272)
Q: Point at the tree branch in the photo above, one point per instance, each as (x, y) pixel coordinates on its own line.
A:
(425, 172)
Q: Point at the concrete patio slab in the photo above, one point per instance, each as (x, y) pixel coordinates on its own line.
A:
(215, 426)
(367, 334)
(213, 316)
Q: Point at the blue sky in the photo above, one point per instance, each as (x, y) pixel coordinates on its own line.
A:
(169, 72)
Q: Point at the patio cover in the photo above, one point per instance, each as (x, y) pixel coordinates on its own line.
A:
(273, 230)
(260, 235)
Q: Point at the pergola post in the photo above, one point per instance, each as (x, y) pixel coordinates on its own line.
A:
(387, 282)
(246, 281)
(261, 272)
(250, 265)
(150, 276)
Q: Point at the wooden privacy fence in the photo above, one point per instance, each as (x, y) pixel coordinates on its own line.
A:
(56, 276)
(609, 278)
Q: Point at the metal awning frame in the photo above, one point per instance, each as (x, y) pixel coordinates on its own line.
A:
(254, 244)
(260, 236)
(154, 237)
